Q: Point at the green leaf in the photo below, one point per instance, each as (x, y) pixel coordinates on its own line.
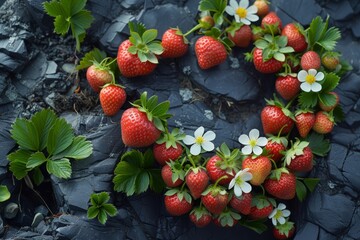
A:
(311, 183)
(338, 114)
(149, 35)
(156, 181)
(286, 50)
(161, 109)
(257, 225)
(125, 177)
(82, 20)
(37, 176)
(94, 55)
(61, 24)
(159, 124)
(300, 190)
(279, 56)
(35, 160)
(328, 42)
(60, 137)
(308, 99)
(43, 122)
(151, 58)
(155, 48)
(92, 212)
(102, 198)
(60, 168)
(4, 193)
(77, 6)
(142, 182)
(18, 162)
(54, 8)
(327, 99)
(281, 41)
(316, 30)
(218, 18)
(318, 144)
(330, 82)
(110, 209)
(102, 217)
(148, 159)
(25, 134)
(262, 44)
(79, 149)
(137, 27)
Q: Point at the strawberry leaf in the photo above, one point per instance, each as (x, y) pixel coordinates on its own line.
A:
(215, 6)
(318, 144)
(338, 114)
(35, 160)
(149, 35)
(330, 82)
(300, 190)
(255, 225)
(94, 55)
(311, 183)
(100, 207)
(25, 133)
(4, 193)
(60, 168)
(308, 99)
(319, 35)
(327, 99)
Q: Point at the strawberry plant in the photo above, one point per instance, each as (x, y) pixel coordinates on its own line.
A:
(4, 193)
(100, 207)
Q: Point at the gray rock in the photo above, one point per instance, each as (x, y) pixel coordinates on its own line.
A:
(38, 217)
(132, 4)
(11, 210)
(339, 10)
(309, 232)
(354, 228)
(9, 64)
(51, 68)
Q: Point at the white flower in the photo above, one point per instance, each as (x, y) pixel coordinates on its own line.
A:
(240, 182)
(200, 141)
(242, 12)
(279, 214)
(309, 80)
(253, 142)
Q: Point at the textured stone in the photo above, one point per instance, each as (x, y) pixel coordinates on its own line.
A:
(309, 232)
(354, 228)
(341, 10)
(132, 4)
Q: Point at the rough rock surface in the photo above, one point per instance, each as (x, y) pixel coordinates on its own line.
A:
(36, 72)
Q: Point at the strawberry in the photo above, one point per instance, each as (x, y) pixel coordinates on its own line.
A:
(304, 121)
(330, 60)
(299, 157)
(281, 184)
(287, 86)
(200, 216)
(263, 7)
(328, 108)
(270, 66)
(209, 52)
(271, 20)
(197, 180)
(137, 123)
(310, 60)
(242, 204)
(259, 167)
(173, 174)
(241, 36)
(324, 122)
(295, 36)
(225, 163)
(215, 198)
(168, 147)
(174, 43)
(227, 218)
(177, 202)
(284, 231)
(261, 207)
(98, 75)
(275, 116)
(112, 98)
(207, 22)
(275, 147)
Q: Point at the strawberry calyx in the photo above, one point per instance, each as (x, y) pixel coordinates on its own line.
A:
(171, 138)
(285, 109)
(276, 173)
(181, 194)
(104, 65)
(196, 170)
(296, 149)
(302, 111)
(273, 47)
(228, 218)
(215, 189)
(199, 212)
(233, 28)
(229, 159)
(156, 113)
(144, 44)
(261, 201)
(177, 170)
(285, 228)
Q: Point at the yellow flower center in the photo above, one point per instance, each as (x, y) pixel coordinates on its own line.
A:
(310, 79)
(199, 140)
(278, 214)
(252, 142)
(242, 12)
(239, 181)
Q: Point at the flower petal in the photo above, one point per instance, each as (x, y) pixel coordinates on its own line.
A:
(246, 176)
(244, 4)
(312, 71)
(252, 9)
(246, 187)
(229, 10)
(316, 87)
(254, 134)
(281, 220)
(234, 4)
(232, 183)
(273, 221)
(262, 141)
(302, 75)
(209, 135)
(281, 206)
(252, 17)
(272, 214)
(199, 132)
(245, 21)
(195, 149)
(286, 213)
(237, 18)
(208, 146)
(244, 139)
(247, 150)
(237, 191)
(257, 150)
(319, 76)
(188, 140)
(305, 87)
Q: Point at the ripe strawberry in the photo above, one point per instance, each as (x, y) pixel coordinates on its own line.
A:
(112, 98)
(200, 216)
(197, 180)
(310, 60)
(275, 146)
(263, 7)
(269, 66)
(287, 86)
(137, 123)
(261, 207)
(330, 60)
(242, 204)
(174, 43)
(97, 76)
(295, 37)
(260, 168)
(173, 174)
(177, 202)
(274, 117)
(284, 231)
(304, 121)
(209, 52)
(281, 184)
(163, 154)
(227, 218)
(331, 107)
(324, 122)
(299, 157)
(271, 20)
(215, 199)
(241, 37)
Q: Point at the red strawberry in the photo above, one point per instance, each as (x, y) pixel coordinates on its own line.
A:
(137, 126)
(227, 218)
(242, 204)
(287, 86)
(209, 52)
(324, 122)
(215, 199)
(275, 146)
(197, 180)
(269, 66)
(330, 60)
(97, 76)
(263, 7)
(274, 117)
(295, 37)
(260, 168)
(163, 154)
(304, 121)
(172, 174)
(112, 98)
(284, 231)
(299, 157)
(331, 107)
(271, 20)
(310, 60)
(281, 184)
(241, 37)
(200, 217)
(177, 202)
(174, 43)
(261, 207)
